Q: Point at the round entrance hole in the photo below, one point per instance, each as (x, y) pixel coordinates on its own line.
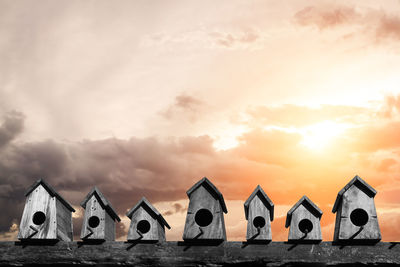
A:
(94, 221)
(203, 217)
(359, 217)
(143, 226)
(259, 222)
(39, 218)
(305, 226)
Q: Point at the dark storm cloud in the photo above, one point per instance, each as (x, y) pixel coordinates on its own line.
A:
(124, 170)
(13, 125)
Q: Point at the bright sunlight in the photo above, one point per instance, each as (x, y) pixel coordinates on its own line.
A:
(320, 135)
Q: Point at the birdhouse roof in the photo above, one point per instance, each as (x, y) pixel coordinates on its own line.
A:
(264, 198)
(51, 191)
(149, 208)
(361, 184)
(308, 204)
(103, 202)
(212, 189)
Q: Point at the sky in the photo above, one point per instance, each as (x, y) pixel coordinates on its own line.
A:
(144, 98)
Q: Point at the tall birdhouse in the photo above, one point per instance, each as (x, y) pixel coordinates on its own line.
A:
(304, 221)
(147, 224)
(99, 219)
(205, 215)
(46, 215)
(259, 212)
(356, 219)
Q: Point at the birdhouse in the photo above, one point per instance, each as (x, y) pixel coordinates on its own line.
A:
(259, 212)
(46, 214)
(147, 224)
(304, 221)
(205, 215)
(356, 219)
(99, 219)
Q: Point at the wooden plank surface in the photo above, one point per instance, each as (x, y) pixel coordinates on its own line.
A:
(182, 254)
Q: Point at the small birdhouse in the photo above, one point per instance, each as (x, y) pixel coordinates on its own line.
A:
(46, 215)
(205, 215)
(356, 219)
(99, 219)
(147, 224)
(304, 221)
(259, 212)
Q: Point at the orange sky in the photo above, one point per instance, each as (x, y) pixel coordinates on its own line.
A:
(144, 98)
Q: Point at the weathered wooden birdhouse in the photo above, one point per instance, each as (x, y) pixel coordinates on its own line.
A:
(304, 221)
(259, 212)
(46, 215)
(356, 219)
(147, 224)
(205, 215)
(99, 219)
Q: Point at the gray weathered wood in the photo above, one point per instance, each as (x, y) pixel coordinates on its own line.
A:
(258, 209)
(181, 254)
(357, 195)
(39, 200)
(57, 216)
(97, 206)
(64, 222)
(203, 198)
(304, 210)
(143, 211)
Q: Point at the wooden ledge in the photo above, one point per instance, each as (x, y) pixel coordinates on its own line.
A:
(174, 253)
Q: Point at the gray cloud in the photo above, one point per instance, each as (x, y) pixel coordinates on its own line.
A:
(177, 208)
(184, 105)
(12, 126)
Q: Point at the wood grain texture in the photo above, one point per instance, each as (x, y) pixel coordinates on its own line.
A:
(295, 234)
(352, 199)
(180, 254)
(39, 200)
(109, 227)
(64, 222)
(152, 235)
(93, 208)
(257, 208)
(202, 199)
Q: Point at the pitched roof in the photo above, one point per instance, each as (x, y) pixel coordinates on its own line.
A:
(211, 187)
(51, 191)
(308, 204)
(151, 209)
(103, 202)
(264, 198)
(361, 184)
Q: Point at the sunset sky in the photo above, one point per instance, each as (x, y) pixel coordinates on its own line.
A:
(144, 98)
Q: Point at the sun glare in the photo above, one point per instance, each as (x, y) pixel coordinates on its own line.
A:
(320, 135)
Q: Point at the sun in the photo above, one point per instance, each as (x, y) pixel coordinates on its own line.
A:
(318, 136)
